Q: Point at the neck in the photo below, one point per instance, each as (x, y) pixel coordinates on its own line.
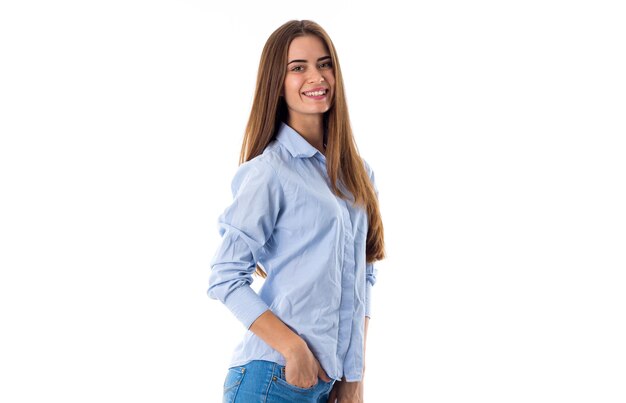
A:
(311, 128)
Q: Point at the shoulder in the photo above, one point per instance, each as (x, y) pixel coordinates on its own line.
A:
(368, 168)
(370, 174)
(274, 158)
(266, 169)
(257, 172)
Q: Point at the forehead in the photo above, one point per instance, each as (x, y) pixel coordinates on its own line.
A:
(307, 47)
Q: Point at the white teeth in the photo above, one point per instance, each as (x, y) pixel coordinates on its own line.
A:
(315, 93)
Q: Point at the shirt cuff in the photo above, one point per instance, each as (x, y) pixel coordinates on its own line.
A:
(246, 305)
(368, 298)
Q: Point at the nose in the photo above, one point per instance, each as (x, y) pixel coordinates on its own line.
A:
(316, 77)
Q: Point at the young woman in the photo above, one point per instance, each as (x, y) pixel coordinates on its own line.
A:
(305, 217)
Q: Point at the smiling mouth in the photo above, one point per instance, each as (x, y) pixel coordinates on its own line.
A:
(317, 93)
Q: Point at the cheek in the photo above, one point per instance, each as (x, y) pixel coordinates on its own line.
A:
(330, 78)
(292, 85)
(292, 92)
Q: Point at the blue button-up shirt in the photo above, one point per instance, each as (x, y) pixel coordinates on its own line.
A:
(311, 244)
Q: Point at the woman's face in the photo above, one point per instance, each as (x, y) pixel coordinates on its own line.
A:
(310, 81)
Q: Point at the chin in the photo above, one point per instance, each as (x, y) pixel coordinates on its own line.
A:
(322, 109)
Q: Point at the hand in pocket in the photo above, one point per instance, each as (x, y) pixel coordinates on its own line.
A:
(303, 369)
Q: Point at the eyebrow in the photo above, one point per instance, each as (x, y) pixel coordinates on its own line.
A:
(304, 61)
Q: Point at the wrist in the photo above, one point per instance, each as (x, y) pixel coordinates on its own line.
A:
(294, 346)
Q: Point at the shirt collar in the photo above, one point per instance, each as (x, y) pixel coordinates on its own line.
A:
(295, 143)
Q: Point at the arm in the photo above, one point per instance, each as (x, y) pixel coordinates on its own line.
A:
(276, 334)
(367, 321)
(245, 226)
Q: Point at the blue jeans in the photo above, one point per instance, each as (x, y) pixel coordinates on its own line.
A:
(264, 381)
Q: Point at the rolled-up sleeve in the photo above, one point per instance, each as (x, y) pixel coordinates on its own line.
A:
(370, 277)
(370, 269)
(245, 227)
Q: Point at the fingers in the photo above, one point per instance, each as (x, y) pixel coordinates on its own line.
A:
(322, 375)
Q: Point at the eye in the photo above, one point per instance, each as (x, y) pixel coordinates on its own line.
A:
(326, 65)
(297, 68)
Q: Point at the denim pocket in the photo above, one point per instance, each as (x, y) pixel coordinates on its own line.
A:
(232, 382)
(283, 381)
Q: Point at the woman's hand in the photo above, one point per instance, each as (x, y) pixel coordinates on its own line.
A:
(302, 368)
(346, 392)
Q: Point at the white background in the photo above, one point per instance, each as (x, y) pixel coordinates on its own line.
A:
(496, 131)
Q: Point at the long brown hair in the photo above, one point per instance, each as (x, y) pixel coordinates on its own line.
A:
(343, 161)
